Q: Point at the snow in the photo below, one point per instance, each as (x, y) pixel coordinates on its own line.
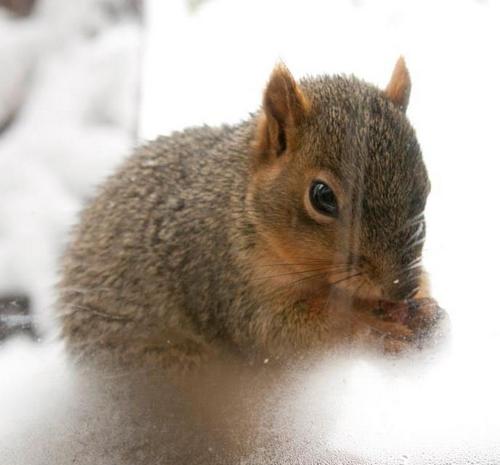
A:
(73, 77)
(210, 67)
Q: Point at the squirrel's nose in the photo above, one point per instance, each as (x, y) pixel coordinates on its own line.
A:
(400, 289)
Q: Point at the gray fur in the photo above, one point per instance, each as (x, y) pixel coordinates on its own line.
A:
(158, 266)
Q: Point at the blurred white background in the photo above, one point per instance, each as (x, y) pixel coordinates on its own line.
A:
(208, 63)
(68, 101)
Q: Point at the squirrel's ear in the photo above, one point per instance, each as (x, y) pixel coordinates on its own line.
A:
(398, 89)
(284, 108)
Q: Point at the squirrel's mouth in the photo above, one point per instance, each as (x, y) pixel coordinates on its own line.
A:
(365, 296)
(398, 312)
(361, 286)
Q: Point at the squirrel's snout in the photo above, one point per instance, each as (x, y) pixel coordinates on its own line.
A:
(401, 289)
(395, 282)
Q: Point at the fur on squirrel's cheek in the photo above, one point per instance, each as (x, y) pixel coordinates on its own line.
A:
(356, 284)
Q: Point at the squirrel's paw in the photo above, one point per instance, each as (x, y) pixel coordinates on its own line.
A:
(416, 323)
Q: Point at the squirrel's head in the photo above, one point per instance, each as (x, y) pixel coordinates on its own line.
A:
(338, 184)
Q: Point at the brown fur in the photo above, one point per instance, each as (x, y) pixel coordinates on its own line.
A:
(284, 108)
(399, 87)
(203, 241)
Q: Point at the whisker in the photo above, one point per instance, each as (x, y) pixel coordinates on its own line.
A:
(419, 218)
(413, 267)
(416, 235)
(346, 278)
(306, 278)
(100, 313)
(303, 264)
(325, 269)
(417, 260)
(415, 244)
(81, 290)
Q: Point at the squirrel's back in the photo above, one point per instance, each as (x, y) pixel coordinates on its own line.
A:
(149, 242)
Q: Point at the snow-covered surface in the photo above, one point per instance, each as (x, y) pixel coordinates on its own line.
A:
(211, 67)
(73, 76)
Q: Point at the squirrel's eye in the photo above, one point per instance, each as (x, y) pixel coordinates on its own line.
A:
(323, 199)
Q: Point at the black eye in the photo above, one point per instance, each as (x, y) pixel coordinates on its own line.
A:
(323, 199)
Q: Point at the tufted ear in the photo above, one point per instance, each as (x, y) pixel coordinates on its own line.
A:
(284, 108)
(398, 89)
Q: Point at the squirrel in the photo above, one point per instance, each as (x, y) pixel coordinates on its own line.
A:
(300, 229)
